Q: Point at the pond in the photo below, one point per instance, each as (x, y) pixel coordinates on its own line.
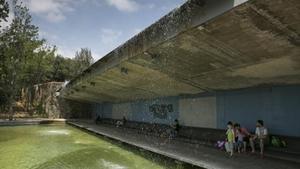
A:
(65, 147)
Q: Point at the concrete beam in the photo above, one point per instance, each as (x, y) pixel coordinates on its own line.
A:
(189, 15)
(199, 47)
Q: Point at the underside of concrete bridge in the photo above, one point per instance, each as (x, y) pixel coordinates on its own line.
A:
(203, 46)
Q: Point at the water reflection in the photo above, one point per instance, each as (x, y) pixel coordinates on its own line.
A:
(65, 147)
(110, 165)
(56, 132)
(88, 158)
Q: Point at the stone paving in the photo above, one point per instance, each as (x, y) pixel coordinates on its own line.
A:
(198, 155)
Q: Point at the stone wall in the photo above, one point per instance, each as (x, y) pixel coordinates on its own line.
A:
(41, 100)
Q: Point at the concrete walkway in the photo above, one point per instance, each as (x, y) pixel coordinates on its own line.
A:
(199, 155)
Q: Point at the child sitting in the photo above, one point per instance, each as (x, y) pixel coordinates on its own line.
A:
(240, 140)
(243, 132)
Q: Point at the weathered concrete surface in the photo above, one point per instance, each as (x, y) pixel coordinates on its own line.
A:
(205, 45)
(198, 112)
(201, 156)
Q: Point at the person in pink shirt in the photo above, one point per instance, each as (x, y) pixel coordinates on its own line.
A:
(242, 137)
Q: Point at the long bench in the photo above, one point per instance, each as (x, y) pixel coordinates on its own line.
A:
(206, 136)
(196, 135)
(188, 134)
(155, 129)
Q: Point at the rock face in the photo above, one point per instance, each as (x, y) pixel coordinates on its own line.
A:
(42, 100)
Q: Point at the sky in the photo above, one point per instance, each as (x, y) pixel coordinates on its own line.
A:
(101, 25)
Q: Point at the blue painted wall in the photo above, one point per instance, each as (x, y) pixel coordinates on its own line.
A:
(279, 107)
(139, 110)
(103, 110)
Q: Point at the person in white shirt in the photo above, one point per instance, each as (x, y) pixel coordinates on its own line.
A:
(261, 135)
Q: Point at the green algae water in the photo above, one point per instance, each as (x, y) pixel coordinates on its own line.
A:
(66, 147)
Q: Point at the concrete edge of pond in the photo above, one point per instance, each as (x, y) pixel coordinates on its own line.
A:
(20, 122)
(147, 148)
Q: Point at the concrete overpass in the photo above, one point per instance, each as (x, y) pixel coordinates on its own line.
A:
(203, 46)
(206, 46)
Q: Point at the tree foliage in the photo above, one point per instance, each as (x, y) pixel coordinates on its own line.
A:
(83, 59)
(4, 10)
(63, 69)
(19, 44)
(26, 60)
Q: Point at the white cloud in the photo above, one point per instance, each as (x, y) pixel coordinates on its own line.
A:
(109, 40)
(96, 56)
(66, 52)
(151, 6)
(136, 31)
(52, 10)
(124, 5)
(48, 36)
(110, 36)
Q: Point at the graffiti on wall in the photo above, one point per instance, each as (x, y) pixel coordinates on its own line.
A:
(161, 110)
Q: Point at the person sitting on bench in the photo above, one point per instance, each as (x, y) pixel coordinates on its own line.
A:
(121, 123)
(98, 119)
(261, 135)
(124, 120)
(175, 128)
(171, 132)
(242, 137)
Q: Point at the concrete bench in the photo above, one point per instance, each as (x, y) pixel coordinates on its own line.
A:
(207, 136)
(141, 127)
(186, 134)
(293, 145)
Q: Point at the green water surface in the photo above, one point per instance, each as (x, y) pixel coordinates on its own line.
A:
(66, 147)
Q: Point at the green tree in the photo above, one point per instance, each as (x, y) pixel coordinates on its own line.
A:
(26, 60)
(83, 59)
(63, 69)
(4, 10)
(38, 66)
(18, 44)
